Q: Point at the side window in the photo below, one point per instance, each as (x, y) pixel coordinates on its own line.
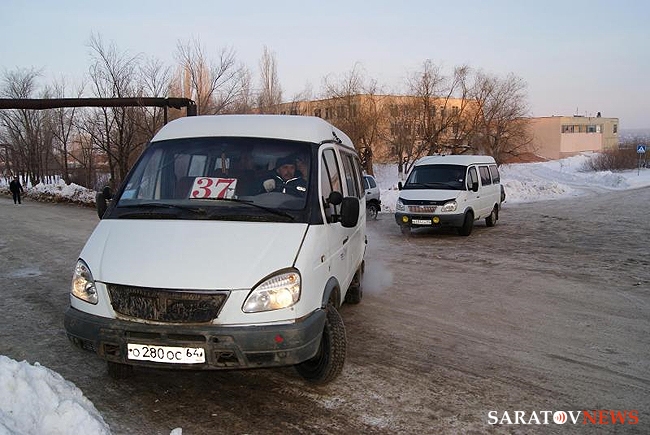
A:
(472, 177)
(494, 171)
(330, 180)
(485, 175)
(351, 177)
(366, 183)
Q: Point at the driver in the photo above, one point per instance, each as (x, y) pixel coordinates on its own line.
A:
(285, 179)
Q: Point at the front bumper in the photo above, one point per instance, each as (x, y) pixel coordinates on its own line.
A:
(429, 220)
(225, 347)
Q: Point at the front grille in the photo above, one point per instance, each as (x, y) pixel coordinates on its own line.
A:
(422, 208)
(164, 305)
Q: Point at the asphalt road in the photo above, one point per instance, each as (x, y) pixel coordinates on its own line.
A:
(547, 311)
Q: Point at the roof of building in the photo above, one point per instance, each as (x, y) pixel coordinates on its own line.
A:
(299, 128)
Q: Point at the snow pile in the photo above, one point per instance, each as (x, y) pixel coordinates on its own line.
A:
(36, 400)
(61, 192)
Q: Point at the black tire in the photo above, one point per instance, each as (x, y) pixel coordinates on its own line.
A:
(373, 211)
(468, 224)
(406, 230)
(354, 293)
(328, 362)
(119, 370)
(491, 220)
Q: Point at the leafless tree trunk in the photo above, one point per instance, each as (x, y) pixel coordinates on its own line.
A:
(270, 90)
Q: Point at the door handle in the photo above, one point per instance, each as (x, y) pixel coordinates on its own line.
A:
(345, 240)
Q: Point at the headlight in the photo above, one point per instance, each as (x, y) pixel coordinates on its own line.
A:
(83, 284)
(449, 206)
(399, 206)
(279, 291)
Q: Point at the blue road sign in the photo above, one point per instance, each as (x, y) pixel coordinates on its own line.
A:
(640, 149)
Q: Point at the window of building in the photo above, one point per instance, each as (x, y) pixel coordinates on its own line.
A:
(328, 112)
(317, 112)
(615, 128)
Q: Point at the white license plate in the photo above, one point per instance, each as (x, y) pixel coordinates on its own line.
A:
(166, 354)
(421, 221)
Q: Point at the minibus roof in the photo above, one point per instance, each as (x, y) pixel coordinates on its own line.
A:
(290, 127)
(455, 160)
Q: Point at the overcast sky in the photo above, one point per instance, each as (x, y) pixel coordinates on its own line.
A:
(577, 57)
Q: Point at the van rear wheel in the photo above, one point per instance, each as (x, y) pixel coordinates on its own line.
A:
(328, 362)
(491, 220)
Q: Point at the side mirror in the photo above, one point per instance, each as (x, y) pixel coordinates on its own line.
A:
(100, 200)
(349, 212)
(474, 186)
(399, 185)
(335, 198)
(106, 191)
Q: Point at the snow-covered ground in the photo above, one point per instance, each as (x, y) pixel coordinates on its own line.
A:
(34, 399)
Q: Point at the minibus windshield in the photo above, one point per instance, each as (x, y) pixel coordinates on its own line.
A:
(445, 177)
(218, 178)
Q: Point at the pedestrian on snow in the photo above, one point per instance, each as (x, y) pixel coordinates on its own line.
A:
(16, 188)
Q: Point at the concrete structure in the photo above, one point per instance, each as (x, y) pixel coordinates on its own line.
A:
(556, 137)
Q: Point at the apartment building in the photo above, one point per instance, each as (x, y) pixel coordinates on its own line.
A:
(556, 137)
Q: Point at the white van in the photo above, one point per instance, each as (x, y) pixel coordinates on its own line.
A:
(453, 191)
(230, 245)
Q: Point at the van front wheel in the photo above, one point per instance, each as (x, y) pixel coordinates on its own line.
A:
(468, 224)
(328, 362)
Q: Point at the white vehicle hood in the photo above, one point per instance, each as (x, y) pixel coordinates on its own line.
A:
(187, 254)
(428, 194)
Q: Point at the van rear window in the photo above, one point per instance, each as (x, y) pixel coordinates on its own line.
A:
(494, 171)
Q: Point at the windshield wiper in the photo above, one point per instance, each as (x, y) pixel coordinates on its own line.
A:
(197, 210)
(252, 203)
(433, 184)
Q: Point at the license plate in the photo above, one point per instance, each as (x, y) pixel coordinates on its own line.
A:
(166, 354)
(421, 221)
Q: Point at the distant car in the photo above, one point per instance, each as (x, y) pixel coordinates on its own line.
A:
(373, 201)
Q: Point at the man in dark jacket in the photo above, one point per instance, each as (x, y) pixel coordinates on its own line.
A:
(16, 188)
(286, 180)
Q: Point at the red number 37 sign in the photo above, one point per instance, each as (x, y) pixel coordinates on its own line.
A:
(208, 187)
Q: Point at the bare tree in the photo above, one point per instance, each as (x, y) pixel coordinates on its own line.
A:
(63, 128)
(114, 130)
(442, 107)
(270, 90)
(403, 134)
(214, 86)
(500, 126)
(355, 110)
(25, 132)
(154, 81)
